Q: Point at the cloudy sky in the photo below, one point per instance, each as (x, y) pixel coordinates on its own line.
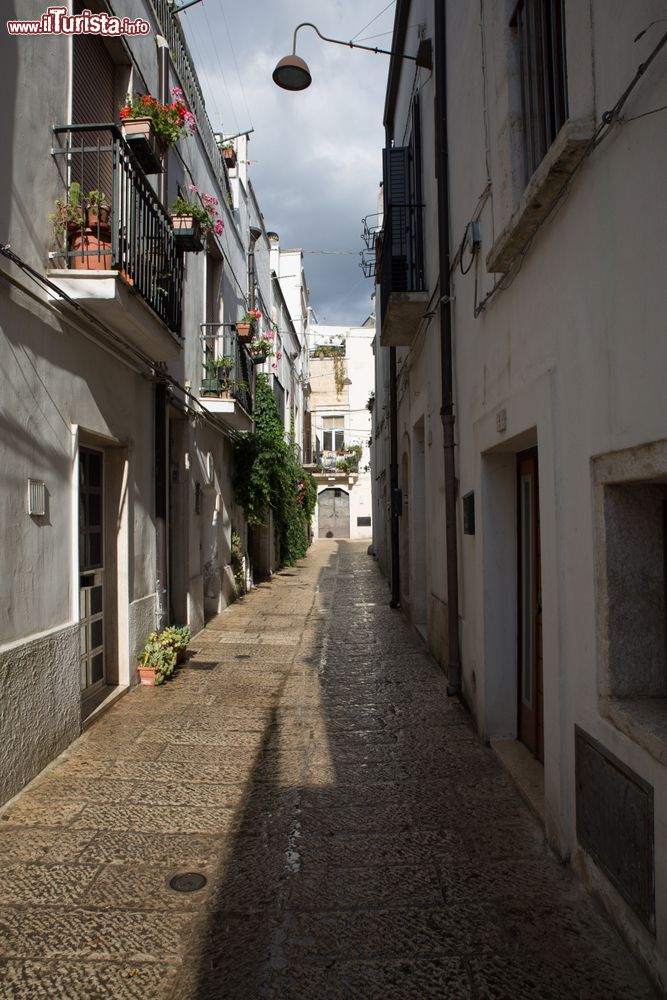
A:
(316, 159)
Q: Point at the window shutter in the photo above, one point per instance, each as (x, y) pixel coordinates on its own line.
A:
(397, 243)
(92, 101)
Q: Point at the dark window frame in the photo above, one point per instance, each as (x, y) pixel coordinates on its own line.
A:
(539, 30)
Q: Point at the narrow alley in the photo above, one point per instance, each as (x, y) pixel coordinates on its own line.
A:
(357, 840)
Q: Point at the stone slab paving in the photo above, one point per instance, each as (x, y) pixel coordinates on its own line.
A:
(357, 840)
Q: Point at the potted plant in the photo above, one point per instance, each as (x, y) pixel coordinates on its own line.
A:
(98, 212)
(221, 368)
(87, 249)
(245, 328)
(150, 127)
(192, 219)
(157, 662)
(261, 348)
(229, 155)
(219, 371)
(68, 216)
(178, 637)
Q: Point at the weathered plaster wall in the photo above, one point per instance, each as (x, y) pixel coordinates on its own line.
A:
(39, 706)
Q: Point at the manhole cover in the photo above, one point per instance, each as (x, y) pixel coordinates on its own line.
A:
(188, 882)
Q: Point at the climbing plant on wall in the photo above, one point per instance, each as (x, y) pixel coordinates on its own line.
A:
(268, 474)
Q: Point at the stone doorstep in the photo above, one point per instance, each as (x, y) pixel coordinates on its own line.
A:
(525, 771)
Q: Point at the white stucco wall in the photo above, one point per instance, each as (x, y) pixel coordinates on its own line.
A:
(567, 355)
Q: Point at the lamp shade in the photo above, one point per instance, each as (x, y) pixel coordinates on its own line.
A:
(292, 73)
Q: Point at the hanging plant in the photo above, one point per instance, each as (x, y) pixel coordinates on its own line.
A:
(268, 474)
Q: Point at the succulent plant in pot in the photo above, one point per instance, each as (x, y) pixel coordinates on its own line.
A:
(98, 212)
(178, 637)
(158, 660)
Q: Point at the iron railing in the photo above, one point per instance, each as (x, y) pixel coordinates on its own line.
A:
(180, 54)
(235, 377)
(401, 252)
(137, 240)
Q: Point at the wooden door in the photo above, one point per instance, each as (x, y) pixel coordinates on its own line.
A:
(333, 514)
(529, 602)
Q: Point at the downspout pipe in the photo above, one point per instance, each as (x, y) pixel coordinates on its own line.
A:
(160, 409)
(446, 352)
(393, 484)
(163, 97)
(255, 234)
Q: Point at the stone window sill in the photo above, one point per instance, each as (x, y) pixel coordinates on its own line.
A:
(643, 720)
(541, 193)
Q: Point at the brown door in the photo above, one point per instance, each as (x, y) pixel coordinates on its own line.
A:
(531, 712)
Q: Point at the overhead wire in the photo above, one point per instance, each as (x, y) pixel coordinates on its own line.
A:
(608, 120)
(211, 36)
(236, 65)
(373, 20)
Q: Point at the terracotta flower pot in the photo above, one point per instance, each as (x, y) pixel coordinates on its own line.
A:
(98, 215)
(142, 140)
(147, 676)
(187, 233)
(244, 332)
(90, 253)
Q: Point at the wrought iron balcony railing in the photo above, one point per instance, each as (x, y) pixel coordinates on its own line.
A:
(133, 234)
(227, 368)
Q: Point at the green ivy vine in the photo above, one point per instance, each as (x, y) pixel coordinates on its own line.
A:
(268, 474)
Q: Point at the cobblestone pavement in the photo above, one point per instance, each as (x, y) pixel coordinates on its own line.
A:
(358, 841)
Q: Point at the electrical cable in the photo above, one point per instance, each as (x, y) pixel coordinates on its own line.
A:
(236, 65)
(606, 125)
(384, 9)
(155, 373)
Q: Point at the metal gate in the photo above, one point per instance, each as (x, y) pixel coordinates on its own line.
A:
(333, 514)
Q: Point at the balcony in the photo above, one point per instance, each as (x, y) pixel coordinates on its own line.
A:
(118, 256)
(227, 377)
(403, 298)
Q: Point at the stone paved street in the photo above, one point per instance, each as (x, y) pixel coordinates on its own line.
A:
(358, 841)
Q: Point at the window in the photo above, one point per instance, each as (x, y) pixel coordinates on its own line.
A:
(214, 334)
(333, 433)
(539, 29)
(631, 520)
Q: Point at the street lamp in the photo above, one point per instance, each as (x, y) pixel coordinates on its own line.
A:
(292, 72)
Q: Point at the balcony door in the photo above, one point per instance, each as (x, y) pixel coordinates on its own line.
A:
(91, 571)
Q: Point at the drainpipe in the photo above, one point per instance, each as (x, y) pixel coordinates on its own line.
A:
(160, 424)
(255, 234)
(161, 563)
(393, 483)
(163, 97)
(446, 354)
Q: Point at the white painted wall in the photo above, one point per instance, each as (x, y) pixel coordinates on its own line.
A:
(570, 350)
(62, 384)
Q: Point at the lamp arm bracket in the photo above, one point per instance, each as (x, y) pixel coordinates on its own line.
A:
(352, 45)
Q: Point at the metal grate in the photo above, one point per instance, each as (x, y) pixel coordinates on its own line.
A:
(36, 498)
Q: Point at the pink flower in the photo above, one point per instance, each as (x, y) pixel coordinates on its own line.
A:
(278, 355)
(219, 226)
